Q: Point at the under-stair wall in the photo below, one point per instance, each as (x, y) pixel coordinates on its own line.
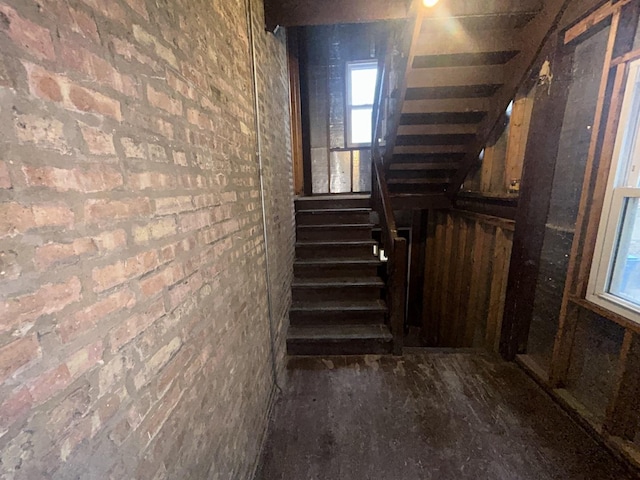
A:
(466, 268)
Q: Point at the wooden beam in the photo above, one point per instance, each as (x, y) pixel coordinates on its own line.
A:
(621, 36)
(297, 150)
(465, 8)
(417, 266)
(535, 196)
(420, 202)
(292, 13)
(600, 15)
(622, 419)
(533, 37)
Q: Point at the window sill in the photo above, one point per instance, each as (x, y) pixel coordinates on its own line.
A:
(605, 313)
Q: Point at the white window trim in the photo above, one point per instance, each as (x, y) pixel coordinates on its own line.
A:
(623, 175)
(354, 65)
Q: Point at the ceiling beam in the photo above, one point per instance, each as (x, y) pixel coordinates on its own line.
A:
(296, 13)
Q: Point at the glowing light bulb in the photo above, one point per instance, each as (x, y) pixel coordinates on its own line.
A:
(429, 3)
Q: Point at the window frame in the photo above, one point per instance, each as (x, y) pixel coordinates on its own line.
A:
(350, 66)
(622, 184)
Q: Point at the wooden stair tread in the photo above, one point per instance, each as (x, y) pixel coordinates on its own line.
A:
(315, 211)
(329, 282)
(338, 225)
(422, 166)
(328, 243)
(374, 305)
(331, 197)
(339, 261)
(338, 333)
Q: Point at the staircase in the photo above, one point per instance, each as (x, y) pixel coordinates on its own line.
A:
(338, 296)
(462, 64)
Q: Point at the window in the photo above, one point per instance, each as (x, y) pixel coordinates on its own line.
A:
(361, 91)
(615, 274)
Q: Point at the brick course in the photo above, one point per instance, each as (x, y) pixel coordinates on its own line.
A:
(134, 334)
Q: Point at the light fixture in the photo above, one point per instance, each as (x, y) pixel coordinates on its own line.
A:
(429, 3)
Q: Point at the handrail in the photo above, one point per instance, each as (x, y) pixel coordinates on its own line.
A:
(395, 247)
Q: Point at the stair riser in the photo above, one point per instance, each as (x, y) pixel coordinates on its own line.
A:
(333, 234)
(335, 318)
(334, 203)
(327, 218)
(351, 347)
(332, 271)
(304, 294)
(335, 251)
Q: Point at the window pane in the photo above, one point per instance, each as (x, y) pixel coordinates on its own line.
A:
(340, 172)
(320, 170)
(361, 119)
(363, 85)
(625, 279)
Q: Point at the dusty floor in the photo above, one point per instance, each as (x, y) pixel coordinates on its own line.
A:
(433, 416)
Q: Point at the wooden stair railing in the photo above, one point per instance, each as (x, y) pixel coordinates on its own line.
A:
(394, 246)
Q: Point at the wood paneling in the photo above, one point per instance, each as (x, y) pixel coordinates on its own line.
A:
(466, 267)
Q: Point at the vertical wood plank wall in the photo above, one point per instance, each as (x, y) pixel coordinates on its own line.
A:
(466, 268)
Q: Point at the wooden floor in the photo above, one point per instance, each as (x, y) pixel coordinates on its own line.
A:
(433, 416)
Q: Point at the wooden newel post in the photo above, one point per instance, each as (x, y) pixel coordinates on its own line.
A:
(397, 297)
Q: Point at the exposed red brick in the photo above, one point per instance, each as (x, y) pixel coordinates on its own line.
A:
(97, 69)
(109, 241)
(180, 158)
(112, 275)
(109, 8)
(89, 101)
(43, 84)
(33, 38)
(180, 86)
(71, 327)
(98, 210)
(84, 359)
(135, 325)
(49, 298)
(163, 101)
(15, 407)
(16, 218)
(133, 149)
(130, 52)
(166, 206)
(5, 180)
(195, 221)
(167, 277)
(154, 421)
(45, 215)
(84, 24)
(49, 383)
(98, 141)
(17, 354)
(154, 230)
(180, 292)
(52, 253)
(43, 132)
(139, 6)
(93, 179)
(154, 180)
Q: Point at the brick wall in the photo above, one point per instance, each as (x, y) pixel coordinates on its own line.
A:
(134, 334)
